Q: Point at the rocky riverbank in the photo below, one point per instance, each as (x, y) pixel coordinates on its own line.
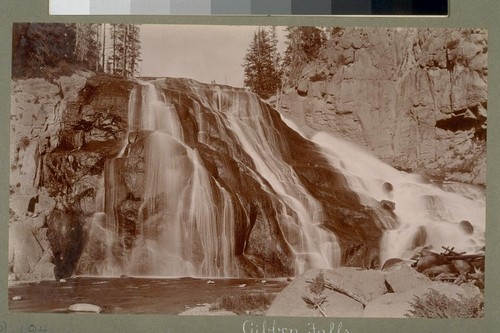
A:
(363, 293)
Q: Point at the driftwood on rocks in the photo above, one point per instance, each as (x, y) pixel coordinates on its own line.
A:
(336, 287)
(332, 285)
(451, 266)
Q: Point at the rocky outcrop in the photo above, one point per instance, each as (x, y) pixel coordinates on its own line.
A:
(66, 136)
(383, 294)
(62, 131)
(233, 191)
(211, 159)
(416, 98)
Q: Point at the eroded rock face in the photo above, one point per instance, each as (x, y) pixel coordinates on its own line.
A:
(416, 98)
(201, 199)
(61, 134)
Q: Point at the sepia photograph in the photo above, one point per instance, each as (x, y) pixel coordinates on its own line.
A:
(301, 171)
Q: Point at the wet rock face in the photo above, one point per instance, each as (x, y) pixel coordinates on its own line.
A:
(93, 129)
(66, 236)
(61, 134)
(417, 98)
(137, 206)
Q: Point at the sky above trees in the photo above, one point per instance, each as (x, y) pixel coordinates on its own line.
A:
(201, 52)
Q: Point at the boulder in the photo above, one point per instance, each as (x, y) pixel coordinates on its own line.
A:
(429, 260)
(467, 227)
(439, 269)
(44, 270)
(302, 88)
(462, 266)
(392, 263)
(289, 303)
(387, 204)
(367, 284)
(397, 305)
(387, 187)
(405, 278)
(85, 307)
(25, 251)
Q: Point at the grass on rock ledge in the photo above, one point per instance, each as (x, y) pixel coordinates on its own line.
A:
(252, 303)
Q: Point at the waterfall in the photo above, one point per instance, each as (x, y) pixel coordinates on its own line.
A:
(430, 214)
(214, 183)
(313, 246)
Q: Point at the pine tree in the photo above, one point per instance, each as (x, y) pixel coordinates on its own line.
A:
(87, 45)
(125, 49)
(39, 47)
(262, 64)
(134, 57)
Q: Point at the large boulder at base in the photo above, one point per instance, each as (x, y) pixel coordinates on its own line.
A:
(24, 250)
(45, 269)
(397, 305)
(368, 284)
(406, 278)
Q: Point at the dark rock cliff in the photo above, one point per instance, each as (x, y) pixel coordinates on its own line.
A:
(61, 134)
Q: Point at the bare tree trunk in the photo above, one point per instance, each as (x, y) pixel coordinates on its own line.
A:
(125, 51)
(114, 48)
(97, 39)
(103, 47)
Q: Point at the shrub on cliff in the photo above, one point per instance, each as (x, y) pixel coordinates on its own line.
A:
(437, 305)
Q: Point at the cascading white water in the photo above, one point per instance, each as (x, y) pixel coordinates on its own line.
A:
(185, 224)
(180, 209)
(300, 214)
(185, 212)
(429, 214)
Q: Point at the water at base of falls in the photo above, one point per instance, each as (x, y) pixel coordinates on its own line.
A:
(183, 221)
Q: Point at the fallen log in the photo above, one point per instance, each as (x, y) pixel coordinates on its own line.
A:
(464, 256)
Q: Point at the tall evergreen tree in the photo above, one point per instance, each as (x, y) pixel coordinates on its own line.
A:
(134, 57)
(87, 45)
(125, 55)
(262, 64)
